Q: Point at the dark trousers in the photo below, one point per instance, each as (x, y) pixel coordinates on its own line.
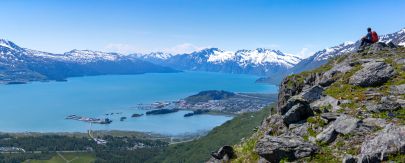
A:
(365, 41)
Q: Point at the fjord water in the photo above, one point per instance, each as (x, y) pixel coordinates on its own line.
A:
(43, 106)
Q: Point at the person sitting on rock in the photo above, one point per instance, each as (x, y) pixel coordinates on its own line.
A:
(370, 38)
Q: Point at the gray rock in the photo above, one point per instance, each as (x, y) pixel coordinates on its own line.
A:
(385, 104)
(274, 149)
(312, 94)
(224, 153)
(349, 159)
(376, 47)
(328, 77)
(372, 74)
(345, 124)
(401, 102)
(327, 136)
(330, 116)
(398, 89)
(297, 113)
(274, 124)
(374, 122)
(391, 140)
(400, 61)
(325, 101)
(290, 103)
(299, 129)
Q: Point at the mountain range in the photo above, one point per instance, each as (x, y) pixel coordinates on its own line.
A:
(20, 65)
(258, 62)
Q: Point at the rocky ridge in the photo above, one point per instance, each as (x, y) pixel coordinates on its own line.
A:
(351, 109)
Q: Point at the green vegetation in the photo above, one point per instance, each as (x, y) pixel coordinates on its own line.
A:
(205, 96)
(325, 155)
(245, 151)
(397, 116)
(64, 157)
(229, 133)
(45, 147)
(316, 120)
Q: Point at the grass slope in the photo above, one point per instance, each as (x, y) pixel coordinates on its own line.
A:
(229, 133)
(71, 157)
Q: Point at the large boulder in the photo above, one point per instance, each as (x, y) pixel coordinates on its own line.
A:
(274, 149)
(295, 100)
(312, 94)
(329, 76)
(326, 101)
(385, 104)
(345, 124)
(372, 74)
(391, 140)
(327, 136)
(297, 113)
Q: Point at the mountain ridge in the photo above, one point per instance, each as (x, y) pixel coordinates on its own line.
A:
(22, 65)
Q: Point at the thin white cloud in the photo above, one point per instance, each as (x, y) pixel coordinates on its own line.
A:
(123, 48)
(184, 48)
(305, 52)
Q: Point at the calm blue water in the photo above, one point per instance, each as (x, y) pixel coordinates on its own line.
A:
(42, 106)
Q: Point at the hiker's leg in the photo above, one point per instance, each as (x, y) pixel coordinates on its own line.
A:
(362, 42)
(368, 42)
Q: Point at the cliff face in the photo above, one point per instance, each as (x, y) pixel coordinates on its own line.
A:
(352, 109)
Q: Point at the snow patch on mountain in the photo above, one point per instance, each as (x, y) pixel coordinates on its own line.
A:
(153, 55)
(264, 56)
(258, 56)
(221, 56)
(327, 53)
(80, 56)
(6, 43)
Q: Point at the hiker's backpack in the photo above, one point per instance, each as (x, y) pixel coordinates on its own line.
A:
(374, 37)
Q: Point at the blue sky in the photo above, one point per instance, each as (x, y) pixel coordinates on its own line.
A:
(293, 26)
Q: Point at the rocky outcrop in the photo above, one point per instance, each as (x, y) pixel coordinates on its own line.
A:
(372, 74)
(289, 87)
(297, 113)
(224, 154)
(330, 76)
(391, 140)
(276, 148)
(354, 105)
(385, 104)
(274, 125)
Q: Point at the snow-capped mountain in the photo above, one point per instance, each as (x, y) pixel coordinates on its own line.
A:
(153, 55)
(258, 56)
(321, 57)
(22, 65)
(398, 38)
(259, 61)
